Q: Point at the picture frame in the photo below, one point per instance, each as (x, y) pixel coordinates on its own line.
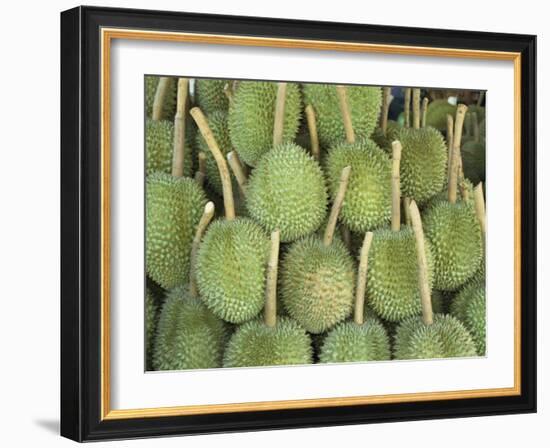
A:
(87, 34)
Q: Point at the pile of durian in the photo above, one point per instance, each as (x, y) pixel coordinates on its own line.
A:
(296, 223)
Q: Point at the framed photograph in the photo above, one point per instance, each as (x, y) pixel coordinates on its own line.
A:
(278, 224)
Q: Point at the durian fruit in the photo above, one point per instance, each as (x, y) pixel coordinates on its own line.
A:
(151, 315)
(469, 307)
(436, 115)
(189, 335)
(364, 102)
(210, 95)
(393, 290)
(453, 230)
(163, 90)
(252, 117)
(272, 341)
(360, 340)
(318, 276)
(368, 199)
(287, 191)
(473, 155)
(232, 258)
(424, 158)
(430, 336)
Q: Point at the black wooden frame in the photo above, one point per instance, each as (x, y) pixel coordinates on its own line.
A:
(80, 223)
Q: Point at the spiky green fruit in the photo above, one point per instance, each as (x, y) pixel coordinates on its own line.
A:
(169, 107)
(349, 342)
(210, 95)
(174, 207)
(252, 116)
(367, 204)
(189, 336)
(455, 236)
(256, 344)
(231, 265)
(317, 283)
(436, 115)
(151, 314)
(423, 169)
(469, 307)
(392, 287)
(364, 104)
(445, 338)
(473, 161)
(287, 191)
(159, 148)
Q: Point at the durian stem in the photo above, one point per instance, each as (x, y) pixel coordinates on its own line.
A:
(343, 102)
(464, 190)
(425, 102)
(160, 98)
(423, 280)
(358, 316)
(178, 159)
(386, 101)
(416, 108)
(206, 217)
(455, 156)
(200, 175)
(270, 311)
(337, 206)
(407, 107)
(406, 205)
(278, 126)
(208, 136)
(228, 92)
(475, 125)
(479, 202)
(450, 123)
(238, 171)
(313, 136)
(395, 187)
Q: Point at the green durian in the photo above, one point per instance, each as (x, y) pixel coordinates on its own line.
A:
(364, 104)
(210, 95)
(174, 207)
(286, 191)
(169, 107)
(436, 115)
(368, 199)
(445, 338)
(189, 336)
(469, 307)
(151, 315)
(252, 115)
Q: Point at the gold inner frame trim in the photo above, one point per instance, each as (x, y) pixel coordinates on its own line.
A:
(107, 35)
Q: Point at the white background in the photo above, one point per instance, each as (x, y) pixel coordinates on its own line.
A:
(29, 237)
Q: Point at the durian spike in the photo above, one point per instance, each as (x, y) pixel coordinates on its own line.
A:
(416, 108)
(450, 132)
(395, 187)
(407, 107)
(200, 175)
(179, 129)
(312, 127)
(406, 205)
(455, 155)
(270, 311)
(423, 281)
(238, 171)
(160, 97)
(358, 316)
(206, 217)
(475, 125)
(278, 126)
(386, 101)
(341, 91)
(228, 92)
(480, 98)
(337, 206)
(424, 112)
(479, 202)
(208, 136)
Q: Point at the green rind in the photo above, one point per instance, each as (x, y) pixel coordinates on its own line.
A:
(210, 95)
(436, 115)
(469, 307)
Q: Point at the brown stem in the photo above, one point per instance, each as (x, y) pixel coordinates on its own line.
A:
(416, 108)
(464, 189)
(386, 101)
(343, 102)
(278, 126)
(407, 107)
(359, 315)
(424, 112)
(238, 171)
(337, 206)
(406, 205)
(270, 311)
(423, 281)
(178, 159)
(208, 136)
(479, 202)
(450, 132)
(313, 136)
(455, 157)
(475, 125)
(206, 217)
(200, 175)
(160, 97)
(395, 187)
